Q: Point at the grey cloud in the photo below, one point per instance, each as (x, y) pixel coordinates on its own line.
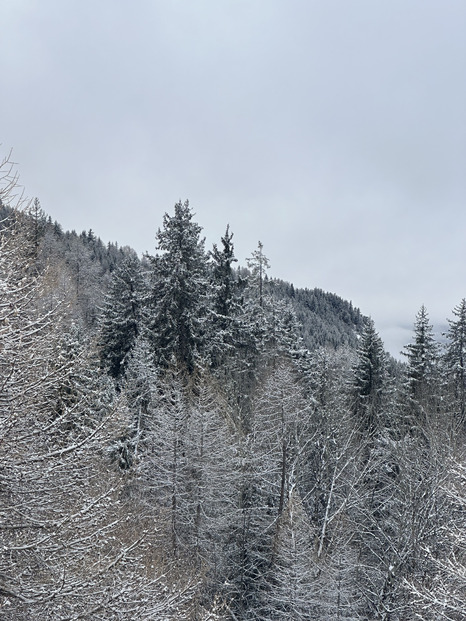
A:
(335, 132)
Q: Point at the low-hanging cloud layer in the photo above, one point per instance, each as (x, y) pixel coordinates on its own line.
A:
(333, 131)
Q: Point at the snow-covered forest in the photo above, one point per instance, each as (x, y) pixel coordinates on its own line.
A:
(182, 437)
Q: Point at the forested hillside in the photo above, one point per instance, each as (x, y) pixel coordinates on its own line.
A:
(185, 438)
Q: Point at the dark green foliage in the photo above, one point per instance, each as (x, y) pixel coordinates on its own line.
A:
(38, 228)
(369, 381)
(223, 280)
(422, 404)
(177, 306)
(225, 324)
(422, 355)
(121, 316)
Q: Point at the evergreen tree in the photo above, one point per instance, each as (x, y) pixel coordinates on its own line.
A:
(283, 339)
(252, 333)
(225, 325)
(38, 228)
(422, 373)
(121, 315)
(223, 276)
(258, 263)
(455, 362)
(422, 354)
(177, 305)
(139, 390)
(368, 382)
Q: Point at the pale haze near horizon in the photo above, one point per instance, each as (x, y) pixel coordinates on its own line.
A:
(333, 131)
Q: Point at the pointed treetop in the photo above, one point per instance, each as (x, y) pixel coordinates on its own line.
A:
(258, 263)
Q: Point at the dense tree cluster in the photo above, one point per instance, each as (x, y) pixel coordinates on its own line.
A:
(184, 439)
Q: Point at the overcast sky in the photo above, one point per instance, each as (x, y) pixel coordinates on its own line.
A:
(334, 131)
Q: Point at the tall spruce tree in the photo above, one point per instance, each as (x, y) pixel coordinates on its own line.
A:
(225, 323)
(121, 315)
(422, 372)
(368, 382)
(178, 301)
(223, 276)
(422, 354)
